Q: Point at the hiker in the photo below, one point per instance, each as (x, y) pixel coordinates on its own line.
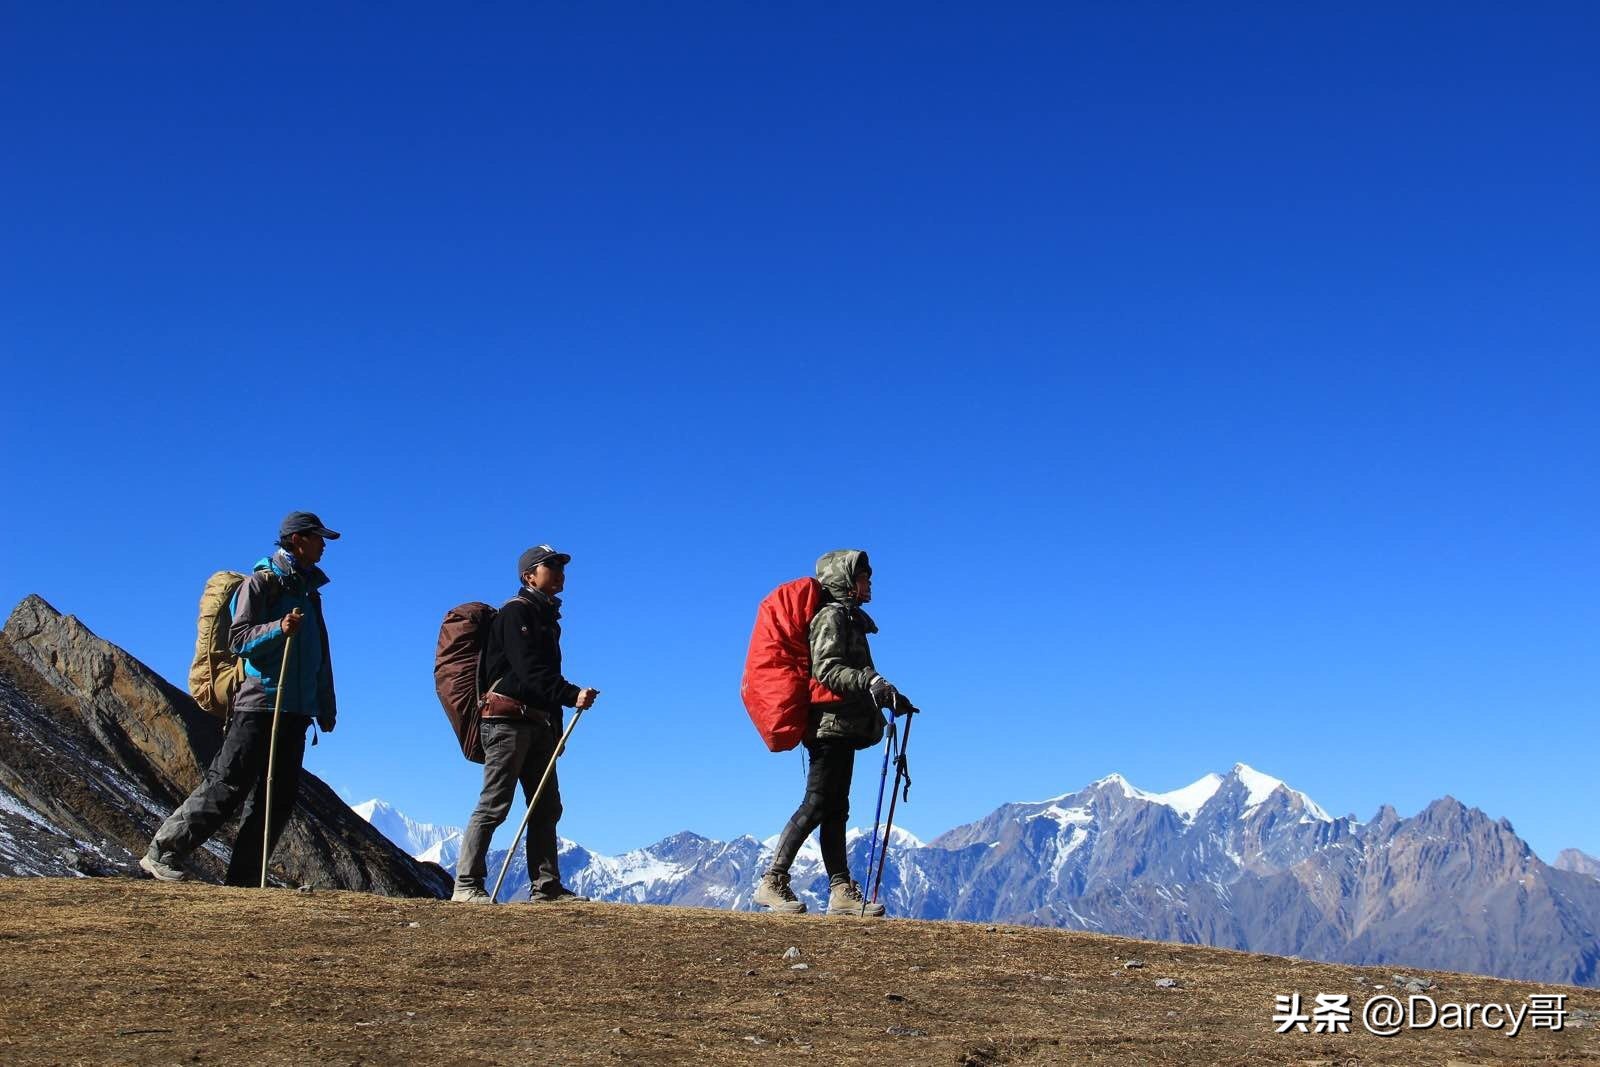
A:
(280, 599)
(842, 662)
(520, 728)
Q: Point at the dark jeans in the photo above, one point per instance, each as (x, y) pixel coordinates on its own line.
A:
(514, 751)
(826, 804)
(238, 775)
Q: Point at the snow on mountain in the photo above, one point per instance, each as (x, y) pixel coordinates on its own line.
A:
(416, 838)
(1188, 801)
(1261, 786)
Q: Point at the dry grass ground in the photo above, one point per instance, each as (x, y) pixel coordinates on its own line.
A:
(121, 971)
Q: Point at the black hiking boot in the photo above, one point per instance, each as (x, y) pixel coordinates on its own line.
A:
(560, 895)
(774, 894)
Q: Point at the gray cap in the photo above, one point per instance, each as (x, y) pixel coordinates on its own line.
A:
(303, 522)
(539, 554)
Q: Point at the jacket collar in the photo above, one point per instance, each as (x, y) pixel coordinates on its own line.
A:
(853, 609)
(543, 600)
(285, 566)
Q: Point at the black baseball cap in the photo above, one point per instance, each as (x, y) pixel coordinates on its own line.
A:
(539, 554)
(303, 522)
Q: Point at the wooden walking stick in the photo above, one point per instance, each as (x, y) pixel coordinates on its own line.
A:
(272, 758)
(533, 802)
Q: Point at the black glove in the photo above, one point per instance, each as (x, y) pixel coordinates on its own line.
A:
(902, 706)
(883, 694)
(325, 722)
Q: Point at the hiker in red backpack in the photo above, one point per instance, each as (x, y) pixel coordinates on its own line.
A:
(842, 662)
(280, 601)
(521, 727)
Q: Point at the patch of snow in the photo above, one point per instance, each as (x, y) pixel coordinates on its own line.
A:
(1188, 801)
(1066, 816)
(13, 804)
(899, 837)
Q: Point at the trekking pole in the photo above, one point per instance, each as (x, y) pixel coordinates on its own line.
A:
(533, 802)
(883, 777)
(901, 769)
(272, 757)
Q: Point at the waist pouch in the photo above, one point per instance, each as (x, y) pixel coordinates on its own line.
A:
(496, 706)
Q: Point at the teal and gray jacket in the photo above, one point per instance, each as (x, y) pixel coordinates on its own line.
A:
(276, 587)
(840, 657)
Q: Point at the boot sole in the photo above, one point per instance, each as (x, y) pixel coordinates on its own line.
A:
(780, 909)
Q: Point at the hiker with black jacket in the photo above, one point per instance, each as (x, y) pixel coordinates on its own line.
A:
(281, 599)
(520, 728)
(842, 661)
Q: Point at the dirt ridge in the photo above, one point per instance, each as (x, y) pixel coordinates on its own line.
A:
(125, 971)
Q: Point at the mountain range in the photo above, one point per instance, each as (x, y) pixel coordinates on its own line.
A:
(1236, 860)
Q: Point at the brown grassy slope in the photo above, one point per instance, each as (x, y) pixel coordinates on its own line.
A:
(123, 971)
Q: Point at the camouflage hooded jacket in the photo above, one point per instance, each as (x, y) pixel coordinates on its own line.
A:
(840, 658)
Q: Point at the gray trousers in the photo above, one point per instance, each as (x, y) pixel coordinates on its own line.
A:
(238, 775)
(514, 751)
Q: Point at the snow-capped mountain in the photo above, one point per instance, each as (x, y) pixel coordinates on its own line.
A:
(684, 869)
(1238, 860)
(424, 841)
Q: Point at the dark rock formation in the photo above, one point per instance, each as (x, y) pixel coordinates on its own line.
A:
(96, 750)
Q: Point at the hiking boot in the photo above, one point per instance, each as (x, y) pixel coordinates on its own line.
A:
(160, 867)
(560, 895)
(774, 894)
(844, 898)
(470, 894)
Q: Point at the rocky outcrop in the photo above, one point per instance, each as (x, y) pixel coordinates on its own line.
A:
(96, 750)
(1573, 860)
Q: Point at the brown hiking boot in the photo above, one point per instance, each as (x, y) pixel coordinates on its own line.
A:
(844, 898)
(774, 894)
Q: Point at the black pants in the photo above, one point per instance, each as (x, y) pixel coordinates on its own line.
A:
(238, 775)
(515, 751)
(826, 805)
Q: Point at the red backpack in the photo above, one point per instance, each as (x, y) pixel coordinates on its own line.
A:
(458, 668)
(777, 687)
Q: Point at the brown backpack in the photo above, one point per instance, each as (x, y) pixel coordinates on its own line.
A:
(216, 673)
(458, 671)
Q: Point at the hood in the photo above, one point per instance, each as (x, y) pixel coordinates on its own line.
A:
(837, 571)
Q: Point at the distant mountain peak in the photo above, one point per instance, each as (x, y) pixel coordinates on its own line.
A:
(419, 839)
(1572, 859)
(1187, 802)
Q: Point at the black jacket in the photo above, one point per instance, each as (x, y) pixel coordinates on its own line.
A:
(524, 660)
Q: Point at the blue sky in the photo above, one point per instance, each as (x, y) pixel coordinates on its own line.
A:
(1207, 385)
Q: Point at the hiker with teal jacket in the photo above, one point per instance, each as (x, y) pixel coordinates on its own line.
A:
(281, 599)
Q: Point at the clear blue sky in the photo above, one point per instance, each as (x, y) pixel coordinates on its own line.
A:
(1207, 383)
